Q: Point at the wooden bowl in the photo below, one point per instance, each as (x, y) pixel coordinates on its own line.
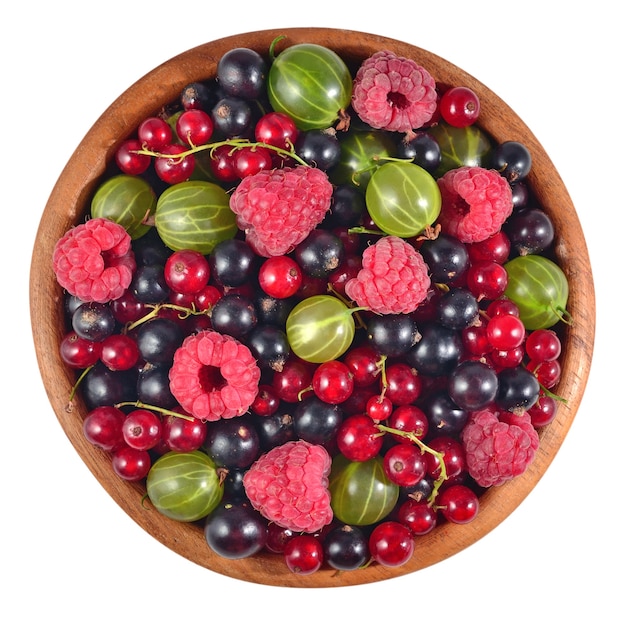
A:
(70, 200)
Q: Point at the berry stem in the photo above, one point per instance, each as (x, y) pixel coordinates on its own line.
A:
(185, 311)
(443, 474)
(236, 143)
(147, 406)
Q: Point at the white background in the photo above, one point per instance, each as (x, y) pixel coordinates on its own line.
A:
(67, 547)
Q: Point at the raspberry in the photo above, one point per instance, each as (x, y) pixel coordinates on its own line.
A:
(475, 202)
(94, 261)
(393, 278)
(214, 376)
(393, 93)
(288, 485)
(277, 208)
(498, 448)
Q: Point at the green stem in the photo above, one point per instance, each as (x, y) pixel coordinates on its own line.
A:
(185, 311)
(147, 406)
(80, 379)
(236, 143)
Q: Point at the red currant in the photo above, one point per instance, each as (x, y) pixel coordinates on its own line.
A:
(194, 127)
(543, 345)
(276, 129)
(379, 407)
(249, 161)
(458, 504)
(543, 411)
(119, 352)
(404, 384)
(505, 332)
(186, 271)
(174, 169)
(102, 427)
(222, 164)
(408, 418)
(79, 353)
(182, 435)
(486, 280)
(303, 554)
(391, 544)
(131, 464)
(420, 517)
(358, 438)
(280, 276)
(459, 106)
(363, 362)
(155, 133)
(266, 402)
(129, 160)
(405, 464)
(142, 429)
(332, 382)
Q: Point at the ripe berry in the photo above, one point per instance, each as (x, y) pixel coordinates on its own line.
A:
(459, 106)
(142, 429)
(280, 276)
(358, 438)
(391, 544)
(405, 464)
(102, 427)
(304, 554)
(458, 504)
(332, 382)
(186, 271)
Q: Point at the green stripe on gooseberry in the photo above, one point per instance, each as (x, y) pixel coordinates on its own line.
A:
(538, 286)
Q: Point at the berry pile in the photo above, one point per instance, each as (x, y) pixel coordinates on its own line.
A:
(318, 322)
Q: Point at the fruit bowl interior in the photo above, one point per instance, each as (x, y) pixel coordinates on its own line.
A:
(69, 201)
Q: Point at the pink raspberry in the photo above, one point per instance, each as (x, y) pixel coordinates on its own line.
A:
(94, 260)
(475, 202)
(393, 93)
(278, 208)
(498, 448)
(289, 486)
(214, 376)
(393, 277)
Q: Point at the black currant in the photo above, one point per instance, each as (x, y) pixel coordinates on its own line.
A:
(153, 387)
(150, 249)
(392, 335)
(530, 230)
(148, 284)
(235, 530)
(445, 417)
(438, 351)
(346, 208)
(198, 95)
(232, 116)
(241, 72)
(316, 421)
(272, 310)
(93, 321)
(320, 253)
(318, 147)
(269, 345)
(518, 389)
(234, 315)
(101, 386)
(473, 385)
(232, 262)
(423, 149)
(346, 548)
(232, 442)
(158, 339)
(275, 429)
(513, 160)
(457, 308)
(447, 258)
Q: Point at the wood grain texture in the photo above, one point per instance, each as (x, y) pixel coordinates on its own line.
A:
(70, 199)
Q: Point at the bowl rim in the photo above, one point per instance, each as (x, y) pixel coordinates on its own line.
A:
(68, 200)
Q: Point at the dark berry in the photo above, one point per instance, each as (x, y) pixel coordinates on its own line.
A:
(241, 73)
(319, 254)
(391, 334)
